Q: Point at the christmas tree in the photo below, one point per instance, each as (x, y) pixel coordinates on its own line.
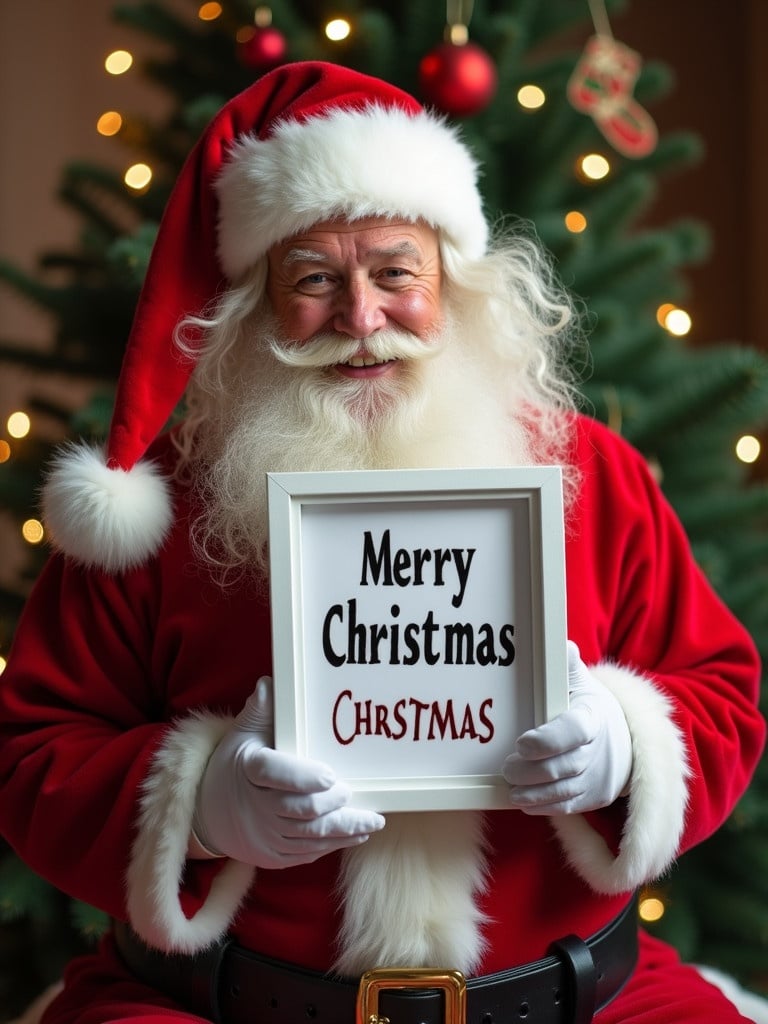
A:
(530, 99)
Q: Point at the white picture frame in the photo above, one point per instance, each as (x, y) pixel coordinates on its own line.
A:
(402, 655)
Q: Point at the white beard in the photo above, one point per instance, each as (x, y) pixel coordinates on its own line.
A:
(409, 892)
(450, 406)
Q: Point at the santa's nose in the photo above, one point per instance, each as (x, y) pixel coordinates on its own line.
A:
(359, 311)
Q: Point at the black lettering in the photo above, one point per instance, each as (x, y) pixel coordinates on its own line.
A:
(400, 569)
(459, 642)
(441, 557)
(378, 563)
(378, 634)
(505, 636)
(486, 649)
(394, 638)
(410, 636)
(330, 654)
(421, 555)
(462, 568)
(355, 632)
(429, 627)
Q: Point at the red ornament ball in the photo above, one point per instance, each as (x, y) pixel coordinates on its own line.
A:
(458, 80)
(264, 49)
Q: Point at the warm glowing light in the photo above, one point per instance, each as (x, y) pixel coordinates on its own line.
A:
(575, 221)
(458, 35)
(531, 97)
(748, 448)
(5, 450)
(262, 17)
(118, 62)
(109, 123)
(32, 531)
(18, 424)
(209, 12)
(663, 312)
(651, 909)
(594, 166)
(338, 29)
(677, 322)
(138, 176)
(3, 663)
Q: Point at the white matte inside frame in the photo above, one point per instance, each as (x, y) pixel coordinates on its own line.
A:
(418, 626)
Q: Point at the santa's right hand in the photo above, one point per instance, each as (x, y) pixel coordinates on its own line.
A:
(272, 809)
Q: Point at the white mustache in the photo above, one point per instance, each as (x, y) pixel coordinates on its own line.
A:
(331, 349)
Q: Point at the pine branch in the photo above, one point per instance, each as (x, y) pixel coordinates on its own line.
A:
(718, 512)
(22, 892)
(45, 363)
(100, 196)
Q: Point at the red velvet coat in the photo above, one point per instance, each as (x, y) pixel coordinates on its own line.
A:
(100, 751)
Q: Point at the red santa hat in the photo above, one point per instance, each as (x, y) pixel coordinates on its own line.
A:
(305, 143)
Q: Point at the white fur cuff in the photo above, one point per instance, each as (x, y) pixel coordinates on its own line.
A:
(158, 857)
(657, 797)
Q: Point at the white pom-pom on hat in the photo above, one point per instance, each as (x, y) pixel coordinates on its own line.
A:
(105, 518)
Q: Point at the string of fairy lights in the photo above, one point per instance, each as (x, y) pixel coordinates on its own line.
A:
(590, 168)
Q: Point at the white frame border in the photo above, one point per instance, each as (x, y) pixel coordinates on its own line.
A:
(288, 493)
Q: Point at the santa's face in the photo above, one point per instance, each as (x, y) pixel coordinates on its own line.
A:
(354, 280)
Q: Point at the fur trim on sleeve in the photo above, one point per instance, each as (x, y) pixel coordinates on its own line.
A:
(158, 857)
(658, 793)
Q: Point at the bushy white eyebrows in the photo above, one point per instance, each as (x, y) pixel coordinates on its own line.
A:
(303, 256)
(403, 250)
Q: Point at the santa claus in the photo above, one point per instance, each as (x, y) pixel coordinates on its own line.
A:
(325, 294)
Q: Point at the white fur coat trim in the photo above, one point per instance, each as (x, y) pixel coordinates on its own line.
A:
(376, 162)
(658, 793)
(105, 518)
(410, 894)
(158, 856)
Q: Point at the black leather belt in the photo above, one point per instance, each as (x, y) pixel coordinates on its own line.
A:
(232, 985)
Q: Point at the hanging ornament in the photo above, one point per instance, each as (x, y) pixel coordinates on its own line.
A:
(261, 46)
(601, 85)
(457, 76)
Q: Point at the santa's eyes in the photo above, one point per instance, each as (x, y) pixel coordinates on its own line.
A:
(320, 281)
(311, 280)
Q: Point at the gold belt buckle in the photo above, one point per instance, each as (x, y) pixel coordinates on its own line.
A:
(450, 981)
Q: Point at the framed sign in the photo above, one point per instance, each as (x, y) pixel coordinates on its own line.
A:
(418, 626)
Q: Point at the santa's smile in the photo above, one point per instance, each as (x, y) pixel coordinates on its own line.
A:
(365, 365)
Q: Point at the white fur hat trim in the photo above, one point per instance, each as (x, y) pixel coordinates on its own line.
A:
(375, 162)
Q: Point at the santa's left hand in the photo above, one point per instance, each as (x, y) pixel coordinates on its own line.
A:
(579, 761)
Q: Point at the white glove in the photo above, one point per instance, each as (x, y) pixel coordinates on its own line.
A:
(272, 809)
(579, 761)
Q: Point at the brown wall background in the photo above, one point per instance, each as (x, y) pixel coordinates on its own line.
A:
(719, 52)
